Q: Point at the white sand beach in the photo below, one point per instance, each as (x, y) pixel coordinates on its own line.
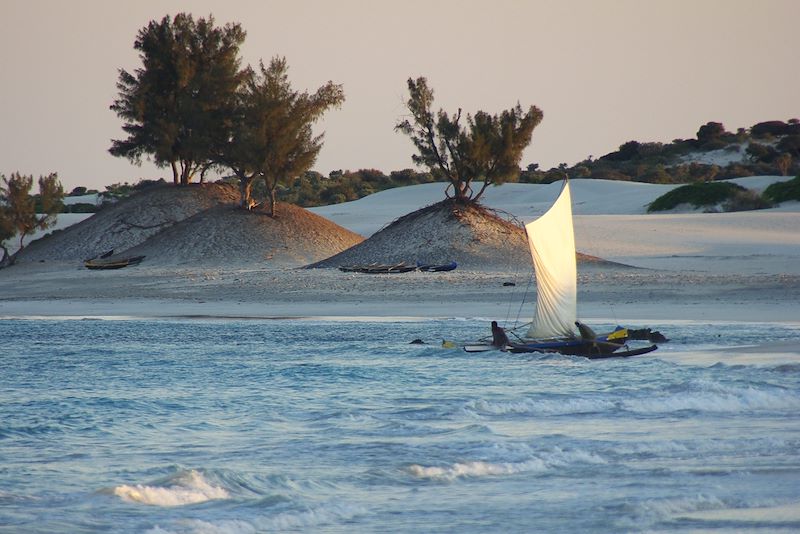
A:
(686, 265)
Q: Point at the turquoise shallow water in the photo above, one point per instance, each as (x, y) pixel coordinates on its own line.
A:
(203, 426)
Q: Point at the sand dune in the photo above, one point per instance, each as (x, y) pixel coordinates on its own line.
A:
(611, 223)
(714, 266)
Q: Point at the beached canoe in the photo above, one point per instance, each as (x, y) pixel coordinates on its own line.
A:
(116, 264)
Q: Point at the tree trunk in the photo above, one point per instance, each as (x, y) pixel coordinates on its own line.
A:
(475, 198)
(174, 173)
(272, 202)
(245, 189)
(185, 173)
(462, 193)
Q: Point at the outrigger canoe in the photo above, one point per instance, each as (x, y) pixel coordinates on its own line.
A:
(115, 264)
(381, 268)
(551, 241)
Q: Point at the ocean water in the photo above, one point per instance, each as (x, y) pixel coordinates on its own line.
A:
(218, 426)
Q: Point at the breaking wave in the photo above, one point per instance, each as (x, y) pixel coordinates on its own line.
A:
(540, 463)
(188, 487)
(549, 406)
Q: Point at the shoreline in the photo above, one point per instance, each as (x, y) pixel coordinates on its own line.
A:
(636, 315)
(606, 294)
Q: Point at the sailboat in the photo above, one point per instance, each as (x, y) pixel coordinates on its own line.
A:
(551, 239)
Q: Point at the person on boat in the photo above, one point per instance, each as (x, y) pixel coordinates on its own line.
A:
(499, 337)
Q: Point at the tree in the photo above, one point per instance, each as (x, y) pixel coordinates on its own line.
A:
(710, 132)
(177, 106)
(758, 152)
(272, 137)
(790, 145)
(488, 148)
(18, 210)
(7, 231)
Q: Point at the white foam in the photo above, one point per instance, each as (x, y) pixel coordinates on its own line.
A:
(475, 469)
(542, 462)
(540, 407)
(191, 488)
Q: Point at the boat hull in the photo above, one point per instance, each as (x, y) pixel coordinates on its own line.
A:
(611, 345)
(109, 265)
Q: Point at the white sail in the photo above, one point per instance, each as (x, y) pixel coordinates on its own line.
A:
(552, 242)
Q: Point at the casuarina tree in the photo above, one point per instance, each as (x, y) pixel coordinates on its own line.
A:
(178, 105)
(18, 209)
(481, 148)
(272, 137)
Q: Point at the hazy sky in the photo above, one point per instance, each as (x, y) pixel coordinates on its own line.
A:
(603, 72)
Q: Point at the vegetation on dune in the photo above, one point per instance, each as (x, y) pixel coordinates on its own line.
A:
(180, 104)
(272, 137)
(733, 197)
(21, 213)
(314, 189)
(745, 201)
(488, 148)
(767, 148)
(191, 107)
(784, 191)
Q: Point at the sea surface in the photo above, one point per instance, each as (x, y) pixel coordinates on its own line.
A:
(237, 426)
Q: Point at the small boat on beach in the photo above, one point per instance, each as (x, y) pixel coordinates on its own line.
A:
(379, 268)
(94, 264)
(436, 268)
(382, 268)
(551, 240)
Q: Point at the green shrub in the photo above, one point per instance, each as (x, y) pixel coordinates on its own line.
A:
(783, 191)
(609, 174)
(698, 195)
(745, 201)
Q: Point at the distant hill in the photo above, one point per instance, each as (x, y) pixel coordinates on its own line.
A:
(767, 148)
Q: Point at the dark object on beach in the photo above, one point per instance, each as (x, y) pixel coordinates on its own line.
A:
(509, 284)
(417, 342)
(647, 335)
(116, 264)
(402, 267)
(102, 256)
(434, 268)
(378, 268)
